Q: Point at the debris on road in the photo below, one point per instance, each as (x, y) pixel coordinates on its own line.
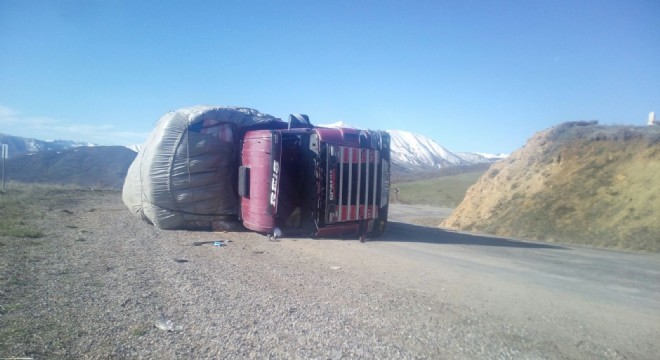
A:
(167, 325)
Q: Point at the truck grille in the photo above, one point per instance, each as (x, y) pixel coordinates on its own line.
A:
(353, 183)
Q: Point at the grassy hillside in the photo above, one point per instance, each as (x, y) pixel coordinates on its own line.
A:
(444, 191)
(575, 183)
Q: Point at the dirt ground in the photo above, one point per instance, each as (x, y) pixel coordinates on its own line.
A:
(101, 284)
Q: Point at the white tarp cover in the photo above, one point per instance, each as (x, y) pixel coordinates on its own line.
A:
(185, 175)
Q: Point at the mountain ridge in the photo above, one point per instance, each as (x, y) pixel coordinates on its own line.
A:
(34, 160)
(417, 153)
(93, 166)
(21, 145)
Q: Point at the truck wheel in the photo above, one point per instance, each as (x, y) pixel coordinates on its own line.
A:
(379, 228)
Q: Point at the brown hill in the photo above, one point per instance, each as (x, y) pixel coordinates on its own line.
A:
(577, 183)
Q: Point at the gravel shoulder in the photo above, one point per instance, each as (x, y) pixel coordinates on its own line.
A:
(103, 284)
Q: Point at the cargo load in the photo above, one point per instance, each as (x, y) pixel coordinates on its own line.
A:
(184, 176)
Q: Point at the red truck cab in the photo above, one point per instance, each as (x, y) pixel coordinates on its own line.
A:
(315, 181)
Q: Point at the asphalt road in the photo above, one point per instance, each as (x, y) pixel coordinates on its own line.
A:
(604, 276)
(600, 303)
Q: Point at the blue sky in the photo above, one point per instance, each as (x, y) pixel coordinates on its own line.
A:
(472, 75)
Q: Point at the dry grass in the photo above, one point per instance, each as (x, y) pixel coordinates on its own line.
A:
(14, 205)
(588, 185)
(19, 207)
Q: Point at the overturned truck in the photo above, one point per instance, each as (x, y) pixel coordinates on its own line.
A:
(220, 167)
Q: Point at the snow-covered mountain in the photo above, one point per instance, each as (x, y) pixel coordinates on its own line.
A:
(339, 124)
(19, 145)
(135, 147)
(480, 158)
(418, 151)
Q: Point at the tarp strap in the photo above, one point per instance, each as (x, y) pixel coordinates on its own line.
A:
(188, 152)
